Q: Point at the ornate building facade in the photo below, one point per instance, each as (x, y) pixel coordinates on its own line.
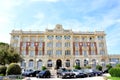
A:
(60, 47)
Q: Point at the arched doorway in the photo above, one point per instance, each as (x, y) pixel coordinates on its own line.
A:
(58, 63)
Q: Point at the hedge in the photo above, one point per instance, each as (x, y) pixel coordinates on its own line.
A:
(77, 67)
(99, 67)
(13, 69)
(115, 72)
(44, 68)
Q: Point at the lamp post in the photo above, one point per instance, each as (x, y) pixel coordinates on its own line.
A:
(36, 65)
(25, 64)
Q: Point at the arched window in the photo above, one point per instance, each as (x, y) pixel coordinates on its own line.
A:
(31, 63)
(39, 64)
(49, 63)
(50, 37)
(58, 37)
(77, 62)
(85, 62)
(93, 63)
(23, 64)
(102, 62)
(67, 63)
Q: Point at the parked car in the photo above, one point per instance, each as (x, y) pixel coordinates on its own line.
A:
(79, 73)
(66, 74)
(44, 74)
(33, 73)
(59, 71)
(88, 72)
(97, 72)
(27, 72)
(106, 70)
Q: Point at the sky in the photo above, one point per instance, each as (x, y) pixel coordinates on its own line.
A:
(78, 15)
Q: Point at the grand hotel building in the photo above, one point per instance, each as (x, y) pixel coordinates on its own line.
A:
(60, 47)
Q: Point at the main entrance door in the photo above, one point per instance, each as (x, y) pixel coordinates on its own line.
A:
(58, 63)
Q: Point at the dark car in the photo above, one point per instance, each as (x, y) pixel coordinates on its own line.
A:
(97, 72)
(44, 74)
(67, 74)
(33, 73)
(88, 72)
(106, 70)
(79, 73)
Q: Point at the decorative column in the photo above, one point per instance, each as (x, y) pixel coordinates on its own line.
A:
(36, 48)
(95, 48)
(21, 43)
(43, 47)
(27, 47)
(88, 44)
(80, 47)
(73, 48)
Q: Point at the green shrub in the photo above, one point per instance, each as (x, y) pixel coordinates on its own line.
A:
(115, 72)
(108, 66)
(13, 69)
(3, 70)
(44, 68)
(117, 65)
(77, 67)
(99, 67)
(89, 67)
(2, 75)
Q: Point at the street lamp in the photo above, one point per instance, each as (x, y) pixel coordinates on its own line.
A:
(36, 65)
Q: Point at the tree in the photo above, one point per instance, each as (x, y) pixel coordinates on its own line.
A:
(13, 56)
(3, 52)
(8, 54)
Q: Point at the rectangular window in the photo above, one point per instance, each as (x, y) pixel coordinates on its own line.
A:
(85, 53)
(59, 44)
(102, 52)
(24, 44)
(84, 44)
(92, 52)
(50, 44)
(76, 53)
(58, 52)
(101, 45)
(32, 53)
(67, 44)
(76, 44)
(50, 52)
(67, 52)
(40, 44)
(40, 52)
(92, 44)
(32, 44)
(23, 53)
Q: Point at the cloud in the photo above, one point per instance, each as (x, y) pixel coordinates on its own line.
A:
(39, 15)
(44, 0)
(7, 17)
